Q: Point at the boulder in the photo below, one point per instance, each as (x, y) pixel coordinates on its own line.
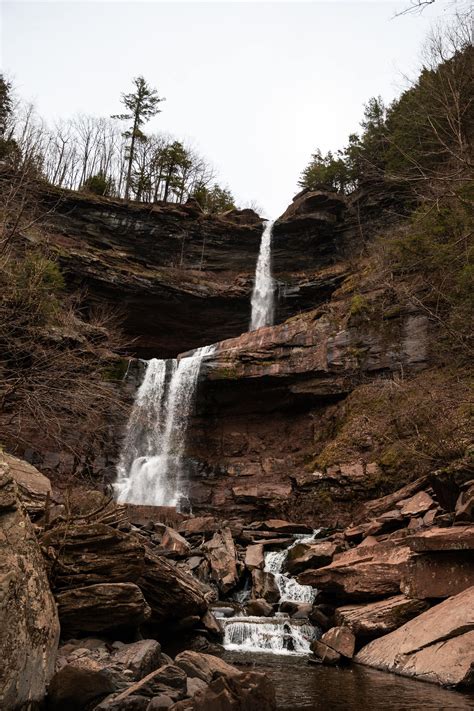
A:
(324, 653)
(80, 554)
(160, 702)
(171, 593)
(448, 483)
(457, 538)
(341, 640)
(464, 511)
(254, 557)
(172, 541)
(376, 507)
(416, 505)
(310, 555)
(264, 586)
(378, 618)
(204, 666)
(221, 554)
(100, 608)
(259, 608)
(211, 625)
(28, 618)
(34, 489)
(366, 573)
(438, 574)
(199, 525)
(73, 688)
(280, 526)
(247, 691)
(168, 679)
(436, 646)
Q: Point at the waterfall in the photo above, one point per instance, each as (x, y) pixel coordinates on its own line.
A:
(264, 287)
(151, 467)
(290, 589)
(280, 635)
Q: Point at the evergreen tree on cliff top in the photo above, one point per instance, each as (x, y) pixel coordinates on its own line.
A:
(142, 105)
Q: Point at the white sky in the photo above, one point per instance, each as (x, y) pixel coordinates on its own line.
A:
(255, 86)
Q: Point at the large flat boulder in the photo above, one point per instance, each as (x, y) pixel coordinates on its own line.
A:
(28, 618)
(375, 619)
(457, 538)
(366, 573)
(436, 646)
(101, 608)
(310, 555)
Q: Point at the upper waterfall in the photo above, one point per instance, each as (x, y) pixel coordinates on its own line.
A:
(151, 469)
(263, 306)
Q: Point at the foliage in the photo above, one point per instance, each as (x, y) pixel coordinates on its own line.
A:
(214, 199)
(99, 184)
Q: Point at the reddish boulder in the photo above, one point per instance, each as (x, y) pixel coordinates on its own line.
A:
(464, 511)
(365, 573)
(222, 557)
(172, 541)
(254, 557)
(416, 505)
(341, 640)
(378, 618)
(438, 575)
(310, 555)
(264, 586)
(248, 691)
(436, 646)
(324, 653)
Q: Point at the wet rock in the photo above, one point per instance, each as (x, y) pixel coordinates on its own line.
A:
(259, 608)
(303, 611)
(310, 555)
(341, 640)
(73, 688)
(324, 653)
(264, 586)
(254, 557)
(172, 541)
(28, 619)
(103, 607)
(221, 554)
(378, 618)
(436, 646)
(359, 574)
(319, 619)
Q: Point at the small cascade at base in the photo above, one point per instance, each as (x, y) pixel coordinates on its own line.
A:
(280, 634)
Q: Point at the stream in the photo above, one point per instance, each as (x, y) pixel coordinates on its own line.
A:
(301, 686)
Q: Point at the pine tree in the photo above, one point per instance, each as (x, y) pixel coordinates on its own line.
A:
(142, 105)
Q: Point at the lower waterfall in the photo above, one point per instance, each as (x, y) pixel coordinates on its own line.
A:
(279, 634)
(151, 467)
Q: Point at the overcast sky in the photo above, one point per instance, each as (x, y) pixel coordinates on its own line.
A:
(255, 87)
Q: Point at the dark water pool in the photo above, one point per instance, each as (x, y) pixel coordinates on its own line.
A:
(304, 687)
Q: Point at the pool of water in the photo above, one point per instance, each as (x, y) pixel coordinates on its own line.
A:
(305, 687)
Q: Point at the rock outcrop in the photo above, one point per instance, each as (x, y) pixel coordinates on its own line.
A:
(28, 616)
(436, 646)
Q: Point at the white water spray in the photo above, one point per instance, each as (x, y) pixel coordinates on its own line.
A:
(290, 589)
(151, 467)
(263, 306)
(279, 635)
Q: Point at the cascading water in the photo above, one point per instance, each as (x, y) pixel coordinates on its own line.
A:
(280, 634)
(264, 287)
(290, 589)
(151, 468)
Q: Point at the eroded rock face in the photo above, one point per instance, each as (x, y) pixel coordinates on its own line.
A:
(28, 617)
(33, 487)
(436, 646)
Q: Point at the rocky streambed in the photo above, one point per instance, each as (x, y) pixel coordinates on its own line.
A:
(131, 607)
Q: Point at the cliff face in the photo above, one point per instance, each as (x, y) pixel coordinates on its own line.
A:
(296, 420)
(183, 279)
